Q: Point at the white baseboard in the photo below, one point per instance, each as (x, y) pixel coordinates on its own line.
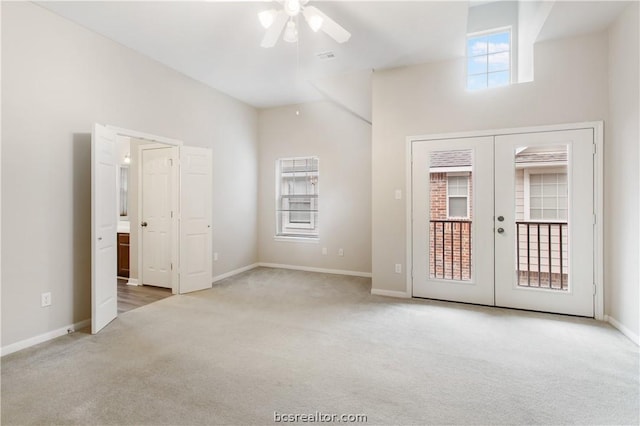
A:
(132, 281)
(234, 272)
(23, 344)
(624, 330)
(390, 293)
(321, 270)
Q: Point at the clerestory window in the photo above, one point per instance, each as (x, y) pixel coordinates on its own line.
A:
(489, 59)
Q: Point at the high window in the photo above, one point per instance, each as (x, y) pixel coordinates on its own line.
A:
(458, 196)
(488, 59)
(297, 197)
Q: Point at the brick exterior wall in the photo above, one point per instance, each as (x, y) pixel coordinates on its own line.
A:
(450, 238)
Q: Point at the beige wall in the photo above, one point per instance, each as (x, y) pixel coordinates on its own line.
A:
(621, 174)
(570, 86)
(343, 144)
(57, 80)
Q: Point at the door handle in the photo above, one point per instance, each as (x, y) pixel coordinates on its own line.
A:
(500, 230)
(99, 238)
(144, 224)
(500, 218)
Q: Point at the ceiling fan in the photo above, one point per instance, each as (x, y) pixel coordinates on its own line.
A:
(277, 20)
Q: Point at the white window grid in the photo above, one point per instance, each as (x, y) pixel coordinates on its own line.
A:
(297, 197)
(559, 192)
(487, 73)
(458, 191)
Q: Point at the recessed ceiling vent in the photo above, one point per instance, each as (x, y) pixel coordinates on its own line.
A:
(325, 56)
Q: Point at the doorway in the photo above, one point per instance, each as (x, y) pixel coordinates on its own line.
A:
(188, 221)
(507, 220)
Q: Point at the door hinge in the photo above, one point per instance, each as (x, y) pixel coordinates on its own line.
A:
(595, 219)
(172, 214)
(595, 148)
(594, 289)
(171, 266)
(171, 162)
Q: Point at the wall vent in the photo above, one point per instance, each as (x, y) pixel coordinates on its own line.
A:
(325, 56)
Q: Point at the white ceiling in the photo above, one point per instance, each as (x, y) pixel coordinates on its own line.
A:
(218, 43)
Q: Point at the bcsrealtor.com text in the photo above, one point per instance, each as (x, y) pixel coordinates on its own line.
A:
(318, 417)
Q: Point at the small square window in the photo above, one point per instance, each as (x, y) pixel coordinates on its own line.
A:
(489, 60)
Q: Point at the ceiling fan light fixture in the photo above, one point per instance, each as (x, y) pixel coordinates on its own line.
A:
(292, 7)
(315, 22)
(290, 33)
(267, 17)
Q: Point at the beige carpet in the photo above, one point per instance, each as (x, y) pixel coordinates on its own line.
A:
(291, 342)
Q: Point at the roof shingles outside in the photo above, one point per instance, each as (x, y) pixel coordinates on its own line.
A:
(463, 158)
(451, 158)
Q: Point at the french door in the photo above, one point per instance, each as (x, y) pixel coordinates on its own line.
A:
(505, 220)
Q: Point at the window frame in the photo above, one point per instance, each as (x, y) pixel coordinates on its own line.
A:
(506, 29)
(285, 229)
(541, 170)
(467, 196)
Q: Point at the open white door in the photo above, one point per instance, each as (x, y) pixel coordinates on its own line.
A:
(195, 219)
(104, 217)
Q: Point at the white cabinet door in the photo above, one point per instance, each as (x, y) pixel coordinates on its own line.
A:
(195, 219)
(452, 213)
(104, 221)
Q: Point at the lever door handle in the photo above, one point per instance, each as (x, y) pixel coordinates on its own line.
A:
(144, 224)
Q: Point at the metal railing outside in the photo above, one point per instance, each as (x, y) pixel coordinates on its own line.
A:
(542, 255)
(450, 249)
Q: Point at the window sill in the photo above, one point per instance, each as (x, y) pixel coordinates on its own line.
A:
(313, 240)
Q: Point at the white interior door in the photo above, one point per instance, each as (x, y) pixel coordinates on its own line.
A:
(195, 219)
(157, 168)
(544, 217)
(104, 223)
(452, 184)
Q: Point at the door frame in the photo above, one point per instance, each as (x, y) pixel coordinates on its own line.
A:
(598, 191)
(134, 134)
(175, 231)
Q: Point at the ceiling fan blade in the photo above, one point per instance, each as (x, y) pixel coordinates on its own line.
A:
(273, 33)
(329, 26)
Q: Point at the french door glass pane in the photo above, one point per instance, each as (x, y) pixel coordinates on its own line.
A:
(542, 226)
(450, 209)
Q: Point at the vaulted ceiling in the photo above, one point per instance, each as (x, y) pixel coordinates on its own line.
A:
(218, 43)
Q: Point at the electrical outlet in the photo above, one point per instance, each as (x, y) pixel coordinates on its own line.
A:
(340, 252)
(324, 251)
(45, 299)
(215, 256)
(398, 268)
